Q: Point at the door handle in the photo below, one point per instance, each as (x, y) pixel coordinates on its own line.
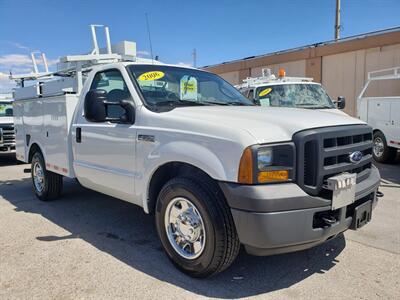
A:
(78, 135)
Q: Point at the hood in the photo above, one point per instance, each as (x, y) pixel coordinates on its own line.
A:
(6, 120)
(334, 111)
(265, 124)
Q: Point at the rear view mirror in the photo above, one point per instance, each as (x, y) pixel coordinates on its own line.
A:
(341, 102)
(94, 107)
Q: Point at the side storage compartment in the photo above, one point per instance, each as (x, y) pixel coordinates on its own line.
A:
(28, 122)
(58, 114)
(20, 143)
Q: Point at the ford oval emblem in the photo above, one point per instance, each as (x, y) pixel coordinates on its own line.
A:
(356, 156)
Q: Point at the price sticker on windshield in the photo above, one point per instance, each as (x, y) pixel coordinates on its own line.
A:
(265, 92)
(153, 75)
(188, 88)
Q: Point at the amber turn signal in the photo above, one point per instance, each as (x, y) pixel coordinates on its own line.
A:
(246, 167)
(272, 176)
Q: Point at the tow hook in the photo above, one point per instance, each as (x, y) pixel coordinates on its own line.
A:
(329, 220)
(379, 194)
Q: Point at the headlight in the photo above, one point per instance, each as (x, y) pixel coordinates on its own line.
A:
(264, 158)
(267, 164)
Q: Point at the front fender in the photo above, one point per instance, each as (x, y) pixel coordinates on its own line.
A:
(176, 151)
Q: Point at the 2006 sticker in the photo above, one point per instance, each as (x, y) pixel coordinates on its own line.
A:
(152, 75)
(265, 92)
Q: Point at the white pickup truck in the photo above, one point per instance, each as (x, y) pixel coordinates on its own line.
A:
(283, 91)
(7, 134)
(215, 170)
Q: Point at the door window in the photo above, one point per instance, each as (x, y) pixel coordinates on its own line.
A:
(113, 83)
(250, 95)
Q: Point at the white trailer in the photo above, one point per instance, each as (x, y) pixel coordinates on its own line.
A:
(383, 114)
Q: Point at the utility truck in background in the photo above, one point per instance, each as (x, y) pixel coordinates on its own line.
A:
(284, 91)
(7, 134)
(215, 170)
(383, 114)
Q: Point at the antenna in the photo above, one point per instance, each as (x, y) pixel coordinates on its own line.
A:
(148, 32)
(194, 55)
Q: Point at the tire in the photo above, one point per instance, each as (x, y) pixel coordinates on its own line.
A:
(220, 241)
(48, 185)
(382, 153)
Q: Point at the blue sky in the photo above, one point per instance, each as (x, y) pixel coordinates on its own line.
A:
(219, 30)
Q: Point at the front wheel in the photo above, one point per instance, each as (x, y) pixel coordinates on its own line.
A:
(47, 185)
(196, 227)
(381, 151)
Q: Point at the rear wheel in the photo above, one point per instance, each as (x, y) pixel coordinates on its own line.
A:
(47, 185)
(381, 151)
(196, 227)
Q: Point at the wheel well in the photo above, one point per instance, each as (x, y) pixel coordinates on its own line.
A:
(33, 149)
(376, 130)
(167, 172)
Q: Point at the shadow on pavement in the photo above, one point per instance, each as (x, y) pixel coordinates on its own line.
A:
(8, 160)
(123, 230)
(389, 172)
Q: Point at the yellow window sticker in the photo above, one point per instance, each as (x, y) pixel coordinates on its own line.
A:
(188, 88)
(265, 102)
(152, 75)
(265, 92)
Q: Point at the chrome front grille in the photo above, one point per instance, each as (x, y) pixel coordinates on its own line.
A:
(325, 152)
(7, 134)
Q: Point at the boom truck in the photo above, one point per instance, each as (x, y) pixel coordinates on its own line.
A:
(213, 169)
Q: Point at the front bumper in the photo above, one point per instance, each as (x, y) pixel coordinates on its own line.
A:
(280, 218)
(6, 149)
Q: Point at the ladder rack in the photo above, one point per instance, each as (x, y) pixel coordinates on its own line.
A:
(267, 77)
(72, 66)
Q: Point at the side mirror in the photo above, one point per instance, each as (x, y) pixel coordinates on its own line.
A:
(341, 102)
(95, 108)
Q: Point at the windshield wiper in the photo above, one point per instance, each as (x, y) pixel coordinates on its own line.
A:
(214, 103)
(239, 103)
(176, 102)
(313, 106)
(225, 103)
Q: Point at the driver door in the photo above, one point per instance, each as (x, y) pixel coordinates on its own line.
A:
(105, 152)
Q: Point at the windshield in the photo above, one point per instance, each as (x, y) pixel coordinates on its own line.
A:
(294, 95)
(6, 109)
(173, 86)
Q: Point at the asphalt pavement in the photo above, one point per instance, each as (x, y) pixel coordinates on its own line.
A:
(90, 246)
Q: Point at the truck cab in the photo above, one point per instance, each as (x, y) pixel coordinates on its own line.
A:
(212, 168)
(7, 134)
(290, 92)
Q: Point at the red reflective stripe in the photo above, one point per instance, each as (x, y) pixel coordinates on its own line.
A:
(56, 168)
(65, 170)
(393, 142)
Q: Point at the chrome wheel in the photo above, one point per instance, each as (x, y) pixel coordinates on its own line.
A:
(379, 147)
(38, 177)
(185, 228)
